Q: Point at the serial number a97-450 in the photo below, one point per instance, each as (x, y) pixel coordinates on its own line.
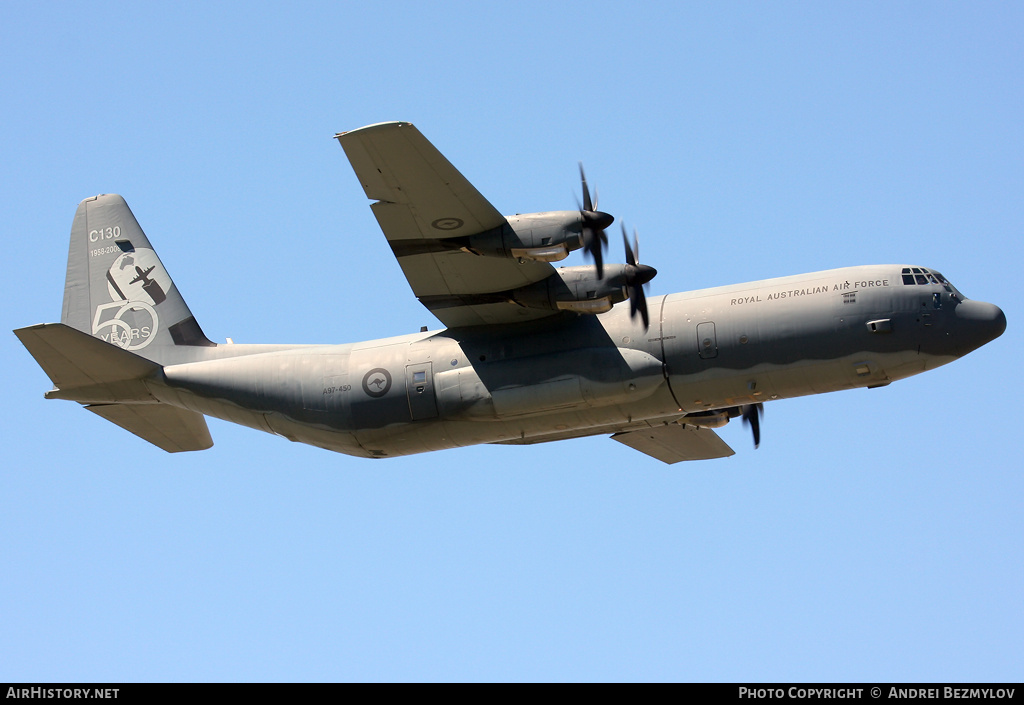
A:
(339, 388)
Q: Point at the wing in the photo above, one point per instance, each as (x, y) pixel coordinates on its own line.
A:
(674, 443)
(424, 205)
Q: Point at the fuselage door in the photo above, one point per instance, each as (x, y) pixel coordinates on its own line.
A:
(707, 343)
(419, 381)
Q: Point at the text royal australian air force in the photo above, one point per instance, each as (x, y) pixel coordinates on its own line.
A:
(773, 290)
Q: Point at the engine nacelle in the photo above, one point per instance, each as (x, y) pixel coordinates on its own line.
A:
(545, 237)
(712, 419)
(574, 289)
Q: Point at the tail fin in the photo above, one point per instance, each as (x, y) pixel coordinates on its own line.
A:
(117, 289)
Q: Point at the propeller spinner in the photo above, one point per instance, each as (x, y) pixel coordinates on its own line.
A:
(637, 276)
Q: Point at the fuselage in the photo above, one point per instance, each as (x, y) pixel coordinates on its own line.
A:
(577, 375)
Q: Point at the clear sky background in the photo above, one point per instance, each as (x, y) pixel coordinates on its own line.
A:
(875, 535)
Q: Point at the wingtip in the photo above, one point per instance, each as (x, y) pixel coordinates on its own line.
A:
(375, 127)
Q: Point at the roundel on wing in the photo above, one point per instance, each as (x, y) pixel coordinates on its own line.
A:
(449, 223)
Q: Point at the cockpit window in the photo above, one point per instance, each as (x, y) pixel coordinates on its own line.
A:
(920, 275)
(945, 283)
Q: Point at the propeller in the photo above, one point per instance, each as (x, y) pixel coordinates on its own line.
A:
(637, 275)
(752, 414)
(594, 223)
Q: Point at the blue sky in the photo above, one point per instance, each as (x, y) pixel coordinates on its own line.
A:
(874, 536)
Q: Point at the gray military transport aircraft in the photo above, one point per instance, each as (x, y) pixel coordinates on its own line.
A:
(530, 354)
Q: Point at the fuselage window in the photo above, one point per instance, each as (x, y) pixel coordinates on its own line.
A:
(937, 300)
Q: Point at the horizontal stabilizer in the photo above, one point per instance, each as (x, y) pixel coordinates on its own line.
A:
(90, 371)
(673, 443)
(163, 425)
(87, 369)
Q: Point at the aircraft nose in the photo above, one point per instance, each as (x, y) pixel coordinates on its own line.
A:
(978, 323)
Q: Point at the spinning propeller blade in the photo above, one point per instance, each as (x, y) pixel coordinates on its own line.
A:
(594, 222)
(752, 414)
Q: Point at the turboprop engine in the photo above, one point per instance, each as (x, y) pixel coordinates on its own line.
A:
(579, 289)
(548, 236)
(545, 237)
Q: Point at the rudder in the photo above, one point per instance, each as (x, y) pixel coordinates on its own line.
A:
(116, 287)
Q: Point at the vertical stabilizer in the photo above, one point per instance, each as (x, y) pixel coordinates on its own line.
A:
(116, 287)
